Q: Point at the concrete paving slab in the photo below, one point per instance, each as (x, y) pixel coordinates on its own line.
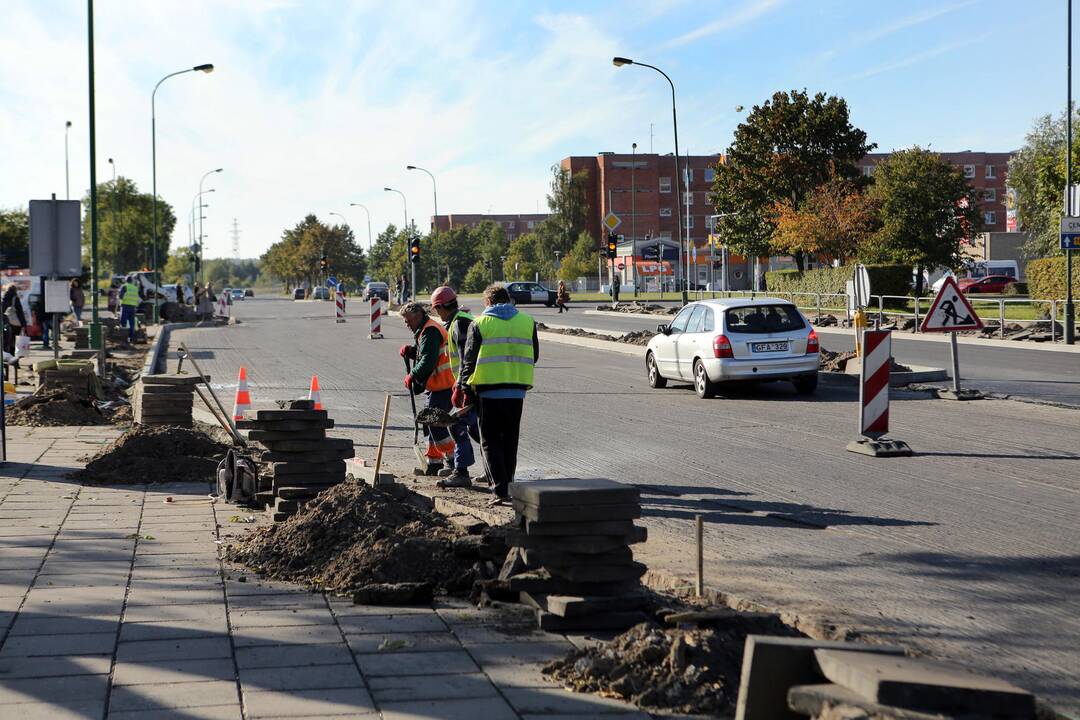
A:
(51, 645)
(434, 687)
(184, 649)
(159, 613)
(61, 689)
(406, 642)
(518, 664)
(344, 607)
(312, 677)
(173, 671)
(361, 624)
(174, 629)
(216, 712)
(29, 623)
(552, 700)
(291, 634)
(443, 662)
(309, 703)
(38, 667)
(499, 634)
(142, 596)
(280, 600)
(159, 547)
(467, 709)
(117, 579)
(292, 656)
(173, 695)
(590, 716)
(61, 711)
(279, 617)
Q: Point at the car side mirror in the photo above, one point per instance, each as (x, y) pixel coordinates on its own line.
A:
(663, 329)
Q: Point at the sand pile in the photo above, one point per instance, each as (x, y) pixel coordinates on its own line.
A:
(353, 539)
(155, 454)
(56, 407)
(682, 670)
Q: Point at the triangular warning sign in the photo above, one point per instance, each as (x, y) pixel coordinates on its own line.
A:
(951, 311)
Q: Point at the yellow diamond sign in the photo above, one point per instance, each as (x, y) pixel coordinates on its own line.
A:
(612, 221)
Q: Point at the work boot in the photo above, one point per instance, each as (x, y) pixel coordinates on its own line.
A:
(447, 471)
(458, 478)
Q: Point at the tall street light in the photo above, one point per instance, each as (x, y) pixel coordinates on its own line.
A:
(201, 180)
(633, 216)
(206, 68)
(619, 62)
(95, 326)
(115, 211)
(67, 166)
(368, 213)
(412, 265)
(435, 196)
(196, 235)
(1070, 312)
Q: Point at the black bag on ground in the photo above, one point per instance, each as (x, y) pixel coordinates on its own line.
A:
(237, 479)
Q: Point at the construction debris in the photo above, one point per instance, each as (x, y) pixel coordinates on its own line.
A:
(356, 540)
(685, 670)
(78, 376)
(56, 407)
(164, 399)
(155, 454)
(639, 308)
(637, 337)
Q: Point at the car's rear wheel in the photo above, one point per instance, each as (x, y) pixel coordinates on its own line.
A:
(656, 380)
(705, 387)
(806, 385)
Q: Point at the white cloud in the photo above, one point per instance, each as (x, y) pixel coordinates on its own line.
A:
(915, 59)
(744, 15)
(911, 21)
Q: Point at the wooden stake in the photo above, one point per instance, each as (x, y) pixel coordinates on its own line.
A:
(382, 438)
(700, 556)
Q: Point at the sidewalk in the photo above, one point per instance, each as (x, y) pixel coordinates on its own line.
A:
(113, 603)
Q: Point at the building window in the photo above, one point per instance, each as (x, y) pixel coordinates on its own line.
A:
(689, 221)
(969, 171)
(665, 184)
(989, 195)
(665, 212)
(867, 170)
(531, 224)
(991, 172)
(990, 218)
(710, 174)
(688, 198)
(511, 224)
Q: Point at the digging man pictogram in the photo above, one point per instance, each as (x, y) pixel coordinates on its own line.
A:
(948, 309)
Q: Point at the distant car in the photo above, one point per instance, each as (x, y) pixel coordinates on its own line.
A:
(717, 341)
(989, 285)
(320, 293)
(169, 293)
(376, 289)
(248, 292)
(236, 294)
(525, 293)
(298, 294)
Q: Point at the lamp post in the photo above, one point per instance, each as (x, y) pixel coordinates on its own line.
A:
(633, 215)
(95, 325)
(67, 166)
(1070, 311)
(368, 213)
(115, 208)
(206, 68)
(435, 197)
(196, 236)
(201, 180)
(412, 265)
(619, 62)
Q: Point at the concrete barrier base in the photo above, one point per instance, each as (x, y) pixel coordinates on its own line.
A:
(880, 447)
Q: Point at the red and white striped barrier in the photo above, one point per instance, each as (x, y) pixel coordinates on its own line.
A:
(376, 319)
(223, 305)
(340, 302)
(874, 398)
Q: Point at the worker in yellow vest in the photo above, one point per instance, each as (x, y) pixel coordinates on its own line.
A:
(129, 303)
(431, 375)
(496, 371)
(444, 302)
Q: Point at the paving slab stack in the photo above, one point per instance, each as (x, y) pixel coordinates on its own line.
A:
(77, 376)
(301, 460)
(164, 399)
(573, 536)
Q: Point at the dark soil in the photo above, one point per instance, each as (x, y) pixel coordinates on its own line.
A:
(639, 308)
(837, 362)
(353, 537)
(681, 670)
(155, 454)
(57, 407)
(637, 337)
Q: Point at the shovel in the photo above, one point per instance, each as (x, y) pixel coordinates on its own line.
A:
(435, 417)
(420, 456)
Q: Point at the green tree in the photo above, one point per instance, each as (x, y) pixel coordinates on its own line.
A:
(296, 257)
(569, 205)
(477, 278)
(1037, 174)
(125, 222)
(834, 221)
(14, 234)
(581, 260)
(927, 210)
(179, 267)
(527, 258)
(788, 145)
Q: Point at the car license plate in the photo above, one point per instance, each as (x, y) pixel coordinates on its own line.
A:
(765, 347)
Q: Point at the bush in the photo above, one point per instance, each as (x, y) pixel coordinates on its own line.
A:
(1016, 288)
(884, 280)
(1046, 278)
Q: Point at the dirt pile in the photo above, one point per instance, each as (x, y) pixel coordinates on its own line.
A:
(353, 539)
(639, 308)
(56, 407)
(682, 670)
(637, 337)
(835, 361)
(155, 454)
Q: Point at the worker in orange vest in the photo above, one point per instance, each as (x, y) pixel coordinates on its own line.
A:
(431, 374)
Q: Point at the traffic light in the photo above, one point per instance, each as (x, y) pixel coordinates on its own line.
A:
(612, 245)
(414, 250)
(324, 262)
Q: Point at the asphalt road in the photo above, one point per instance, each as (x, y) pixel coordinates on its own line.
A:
(968, 550)
(1023, 371)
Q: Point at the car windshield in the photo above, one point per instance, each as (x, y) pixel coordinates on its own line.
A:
(761, 319)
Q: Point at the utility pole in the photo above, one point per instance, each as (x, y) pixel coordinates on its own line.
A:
(633, 216)
(1070, 310)
(235, 233)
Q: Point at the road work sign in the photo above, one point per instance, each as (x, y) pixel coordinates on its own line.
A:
(951, 311)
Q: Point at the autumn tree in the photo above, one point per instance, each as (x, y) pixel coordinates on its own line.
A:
(125, 226)
(1037, 174)
(834, 221)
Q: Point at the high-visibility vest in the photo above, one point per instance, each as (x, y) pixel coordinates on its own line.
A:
(443, 377)
(506, 353)
(451, 346)
(131, 295)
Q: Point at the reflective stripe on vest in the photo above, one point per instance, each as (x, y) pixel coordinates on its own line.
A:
(131, 294)
(451, 347)
(442, 378)
(506, 353)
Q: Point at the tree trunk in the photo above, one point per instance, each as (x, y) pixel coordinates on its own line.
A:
(800, 261)
(918, 281)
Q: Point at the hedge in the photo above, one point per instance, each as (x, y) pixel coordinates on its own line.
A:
(1046, 278)
(884, 280)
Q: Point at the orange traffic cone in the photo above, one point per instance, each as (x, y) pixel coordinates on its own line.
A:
(313, 394)
(243, 398)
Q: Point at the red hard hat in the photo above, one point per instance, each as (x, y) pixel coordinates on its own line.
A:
(443, 296)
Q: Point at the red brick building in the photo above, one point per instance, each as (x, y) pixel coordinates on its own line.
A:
(512, 225)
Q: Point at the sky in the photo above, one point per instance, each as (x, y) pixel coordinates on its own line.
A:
(316, 104)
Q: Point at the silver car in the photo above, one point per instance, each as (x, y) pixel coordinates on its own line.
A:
(716, 341)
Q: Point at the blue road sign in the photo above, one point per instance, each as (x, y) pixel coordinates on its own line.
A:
(331, 281)
(1070, 241)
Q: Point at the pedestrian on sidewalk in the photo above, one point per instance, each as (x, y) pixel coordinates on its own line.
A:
(14, 317)
(204, 305)
(129, 303)
(44, 319)
(78, 300)
(457, 323)
(431, 374)
(562, 297)
(616, 285)
(501, 350)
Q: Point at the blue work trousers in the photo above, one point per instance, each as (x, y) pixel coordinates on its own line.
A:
(460, 431)
(127, 317)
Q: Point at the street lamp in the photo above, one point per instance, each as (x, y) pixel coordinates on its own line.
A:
(619, 62)
(67, 168)
(1070, 312)
(633, 216)
(368, 213)
(116, 216)
(206, 68)
(412, 265)
(201, 180)
(435, 221)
